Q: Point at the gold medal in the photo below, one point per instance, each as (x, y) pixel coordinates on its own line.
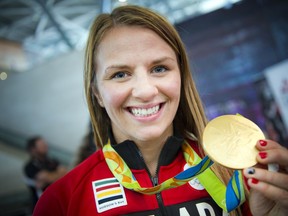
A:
(230, 141)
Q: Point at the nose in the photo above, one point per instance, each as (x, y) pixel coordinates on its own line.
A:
(144, 88)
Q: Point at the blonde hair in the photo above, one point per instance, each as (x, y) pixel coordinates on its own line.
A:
(190, 117)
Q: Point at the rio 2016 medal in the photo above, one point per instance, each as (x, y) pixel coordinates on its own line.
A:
(230, 140)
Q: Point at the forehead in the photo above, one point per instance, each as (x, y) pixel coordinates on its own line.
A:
(133, 40)
(121, 33)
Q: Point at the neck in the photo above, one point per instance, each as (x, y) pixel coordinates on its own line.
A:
(39, 157)
(151, 153)
(150, 149)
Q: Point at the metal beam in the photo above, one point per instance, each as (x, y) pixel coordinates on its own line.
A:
(55, 23)
(106, 6)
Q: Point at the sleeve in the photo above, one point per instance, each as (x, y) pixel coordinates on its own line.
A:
(52, 164)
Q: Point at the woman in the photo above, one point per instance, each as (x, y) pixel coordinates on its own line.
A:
(144, 108)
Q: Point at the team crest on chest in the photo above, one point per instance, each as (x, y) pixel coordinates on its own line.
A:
(108, 194)
(194, 183)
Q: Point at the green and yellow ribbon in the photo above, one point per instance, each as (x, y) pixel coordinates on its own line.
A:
(228, 198)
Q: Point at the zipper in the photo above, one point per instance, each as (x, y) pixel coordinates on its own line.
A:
(162, 209)
(154, 180)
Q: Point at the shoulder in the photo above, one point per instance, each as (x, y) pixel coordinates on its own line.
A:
(30, 169)
(56, 198)
(82, 171)
(28, 164)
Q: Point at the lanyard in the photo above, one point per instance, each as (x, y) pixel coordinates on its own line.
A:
(228, 198)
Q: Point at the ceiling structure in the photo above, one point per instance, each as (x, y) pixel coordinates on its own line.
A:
(32, 31)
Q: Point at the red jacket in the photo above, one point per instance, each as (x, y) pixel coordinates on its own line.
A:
(91, 189)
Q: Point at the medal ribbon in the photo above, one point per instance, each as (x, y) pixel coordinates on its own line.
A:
(228, 198)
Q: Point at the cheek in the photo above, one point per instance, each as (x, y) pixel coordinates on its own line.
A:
(173, 89)
(113, 97)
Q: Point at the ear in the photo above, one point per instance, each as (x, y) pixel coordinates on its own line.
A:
(97, 95)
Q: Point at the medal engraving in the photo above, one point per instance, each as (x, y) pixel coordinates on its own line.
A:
(230, 141)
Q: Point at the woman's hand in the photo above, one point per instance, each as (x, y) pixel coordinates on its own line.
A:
(269, 189)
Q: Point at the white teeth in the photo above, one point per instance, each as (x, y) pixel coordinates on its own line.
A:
(145, 112)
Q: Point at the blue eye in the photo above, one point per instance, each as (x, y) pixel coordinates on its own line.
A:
(159, 69)
(119, 75)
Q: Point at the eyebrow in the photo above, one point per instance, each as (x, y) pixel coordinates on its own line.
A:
(123, 66)
(165, 58)
(116, 66)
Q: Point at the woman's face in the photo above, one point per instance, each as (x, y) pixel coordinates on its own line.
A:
(138, 82)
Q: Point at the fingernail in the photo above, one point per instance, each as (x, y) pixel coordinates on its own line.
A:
(263, 142)
(255, 181)
(263, 155)
(250, 171)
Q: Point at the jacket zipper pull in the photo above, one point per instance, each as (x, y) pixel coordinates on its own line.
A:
(155, 181)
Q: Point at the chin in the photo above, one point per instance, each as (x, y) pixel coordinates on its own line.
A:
(153, 135)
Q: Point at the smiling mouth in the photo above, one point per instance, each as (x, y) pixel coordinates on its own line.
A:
(140, 112)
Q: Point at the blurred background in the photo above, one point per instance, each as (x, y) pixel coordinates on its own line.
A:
(238, 52)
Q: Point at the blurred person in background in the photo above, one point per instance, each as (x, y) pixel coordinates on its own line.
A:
(41, 170)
